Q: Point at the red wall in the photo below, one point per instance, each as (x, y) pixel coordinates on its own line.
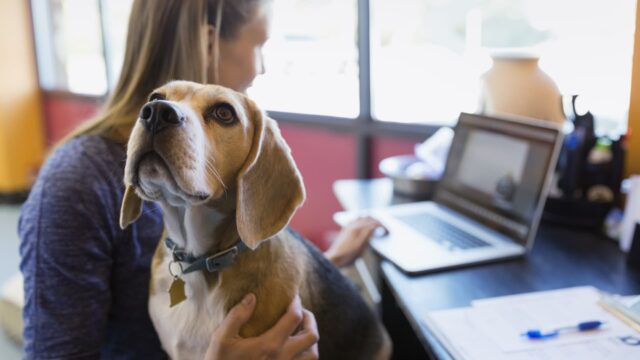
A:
(322, 157)
(62, 114)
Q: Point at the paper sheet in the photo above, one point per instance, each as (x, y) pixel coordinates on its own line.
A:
(491, 328)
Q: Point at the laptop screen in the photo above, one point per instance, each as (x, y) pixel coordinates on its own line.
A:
(497, 170)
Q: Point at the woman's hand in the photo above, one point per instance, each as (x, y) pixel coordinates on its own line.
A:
(352, 241)
(279, 342)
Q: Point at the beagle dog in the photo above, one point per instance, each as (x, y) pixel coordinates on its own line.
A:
(228, 187)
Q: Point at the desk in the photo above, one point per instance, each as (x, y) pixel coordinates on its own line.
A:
(561, 257)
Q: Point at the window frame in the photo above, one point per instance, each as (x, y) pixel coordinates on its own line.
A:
(362, 129)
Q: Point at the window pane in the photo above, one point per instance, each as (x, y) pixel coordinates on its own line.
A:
(116, 17)
(311, 59)
(428, 55)
(70, 46)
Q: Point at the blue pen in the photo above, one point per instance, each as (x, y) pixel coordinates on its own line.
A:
(583, 326)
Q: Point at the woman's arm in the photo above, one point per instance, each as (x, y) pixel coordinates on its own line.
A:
(352, 241)
(66, 261)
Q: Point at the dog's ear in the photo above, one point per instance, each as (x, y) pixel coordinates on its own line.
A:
(270, 188)
(131, 207)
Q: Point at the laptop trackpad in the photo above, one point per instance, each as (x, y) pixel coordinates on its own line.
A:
(404, 249)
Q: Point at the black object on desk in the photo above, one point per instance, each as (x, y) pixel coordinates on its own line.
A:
(590, 170)
(633, 257)
(561, 257)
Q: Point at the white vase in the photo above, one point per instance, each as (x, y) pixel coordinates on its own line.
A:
(516, 85)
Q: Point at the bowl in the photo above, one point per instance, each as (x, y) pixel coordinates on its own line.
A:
(405, 181)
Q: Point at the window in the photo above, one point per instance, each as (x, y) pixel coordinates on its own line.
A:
(428, 55)
(69, 46)
(116, 17)
(311, 59)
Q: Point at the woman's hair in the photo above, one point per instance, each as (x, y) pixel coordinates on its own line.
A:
(166, 40)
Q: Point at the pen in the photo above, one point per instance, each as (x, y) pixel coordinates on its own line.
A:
(583, 326)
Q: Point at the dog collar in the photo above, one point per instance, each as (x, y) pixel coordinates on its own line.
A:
(211, 263)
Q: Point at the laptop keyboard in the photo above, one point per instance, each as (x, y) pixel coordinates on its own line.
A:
(445, 234)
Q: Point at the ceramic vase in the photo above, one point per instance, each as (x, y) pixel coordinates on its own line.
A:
(515, 84)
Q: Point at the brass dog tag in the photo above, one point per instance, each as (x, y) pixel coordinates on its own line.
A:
(176, 292)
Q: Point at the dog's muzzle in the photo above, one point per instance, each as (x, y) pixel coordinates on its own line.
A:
(158, 115)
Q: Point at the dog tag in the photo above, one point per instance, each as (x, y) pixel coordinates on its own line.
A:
(176, 292)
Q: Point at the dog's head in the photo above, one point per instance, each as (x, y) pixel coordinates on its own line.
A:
(194, 143)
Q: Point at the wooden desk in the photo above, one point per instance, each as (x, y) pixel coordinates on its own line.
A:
(561, 257)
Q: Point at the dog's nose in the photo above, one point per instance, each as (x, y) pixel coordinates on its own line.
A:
(159, 115)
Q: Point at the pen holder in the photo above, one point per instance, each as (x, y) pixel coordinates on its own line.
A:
(633, 257)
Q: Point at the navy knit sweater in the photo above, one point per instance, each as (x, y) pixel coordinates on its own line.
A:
(86, 282)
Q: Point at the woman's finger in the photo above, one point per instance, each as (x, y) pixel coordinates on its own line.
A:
(287, 324)
(311, 354)
(366, 232)
(305, 341)
(376, 226)
(237, 316)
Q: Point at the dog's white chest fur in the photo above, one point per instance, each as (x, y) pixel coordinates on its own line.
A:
(185, 329)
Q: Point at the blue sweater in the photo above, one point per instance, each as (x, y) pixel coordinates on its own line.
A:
(86, 282)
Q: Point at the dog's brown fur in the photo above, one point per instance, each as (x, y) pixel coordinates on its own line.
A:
(272, 272)
(251, 194)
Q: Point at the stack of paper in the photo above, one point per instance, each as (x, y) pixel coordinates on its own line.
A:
(492, 328)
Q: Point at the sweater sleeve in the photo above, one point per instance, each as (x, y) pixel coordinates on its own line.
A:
(66, 231)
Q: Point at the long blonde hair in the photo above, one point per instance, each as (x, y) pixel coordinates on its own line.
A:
(166, 40)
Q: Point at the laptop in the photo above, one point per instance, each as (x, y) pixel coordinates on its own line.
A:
(486, 207)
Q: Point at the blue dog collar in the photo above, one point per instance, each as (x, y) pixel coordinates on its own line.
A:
(211, 263)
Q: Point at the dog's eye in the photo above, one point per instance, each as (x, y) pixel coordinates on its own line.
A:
(222, 113)
(157, 96)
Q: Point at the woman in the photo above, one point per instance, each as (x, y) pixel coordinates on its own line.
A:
(86, 281)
